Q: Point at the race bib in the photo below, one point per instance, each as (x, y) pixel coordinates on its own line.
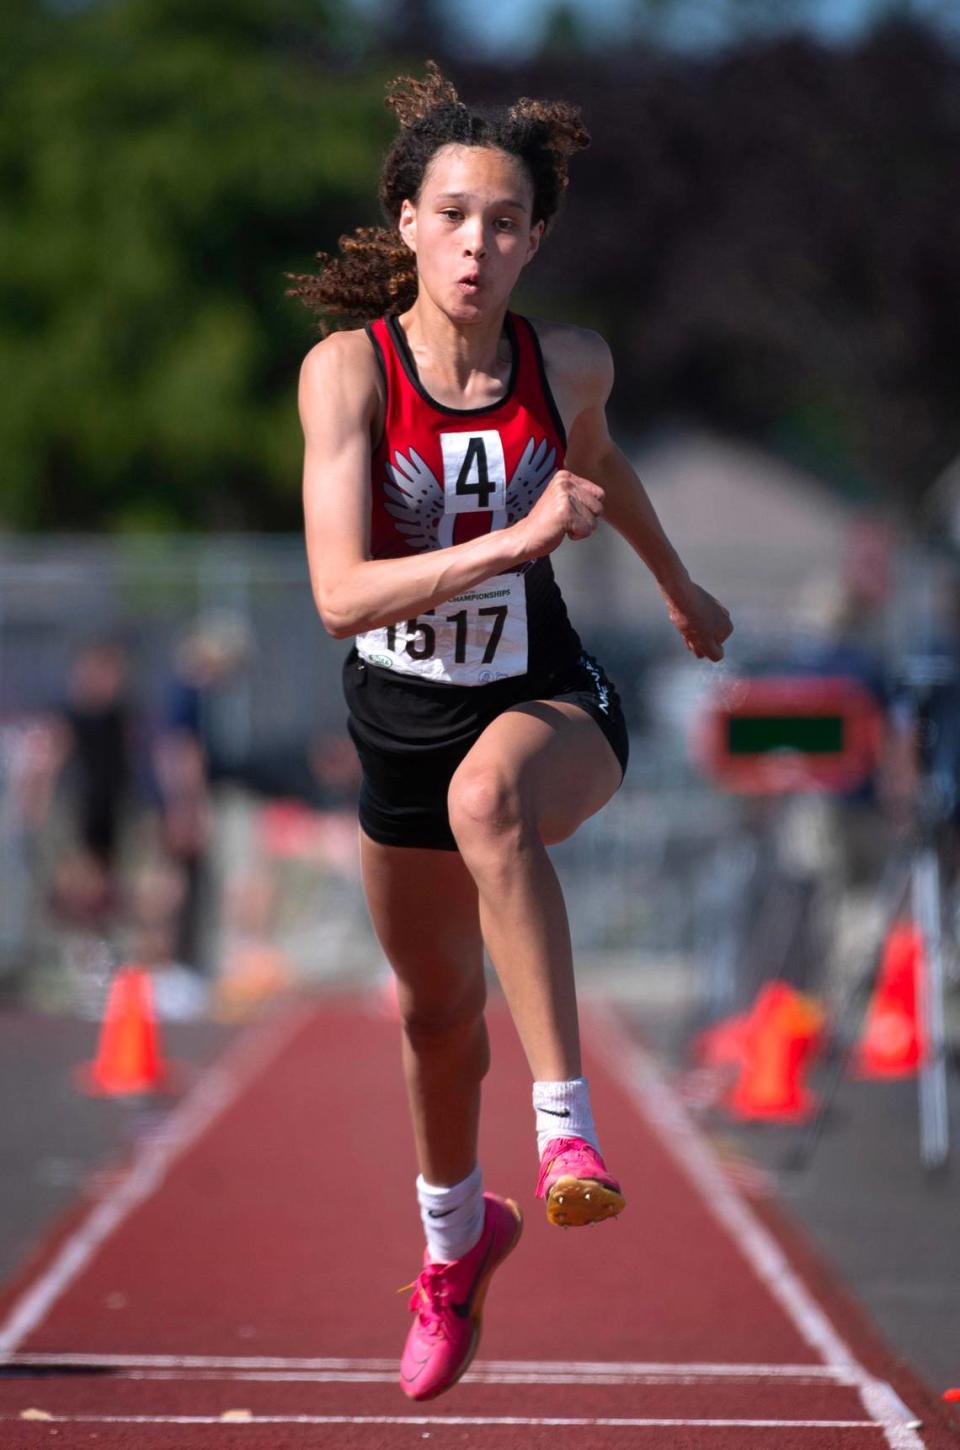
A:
(479, 636)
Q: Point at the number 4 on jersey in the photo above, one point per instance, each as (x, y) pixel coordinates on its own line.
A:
(474, 471)
(476, 459)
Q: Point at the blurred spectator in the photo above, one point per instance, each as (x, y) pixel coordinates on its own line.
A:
(92, 732)
(191, 751)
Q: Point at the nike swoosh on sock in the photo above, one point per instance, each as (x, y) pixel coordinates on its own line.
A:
(555, 1112)
(440, 1212)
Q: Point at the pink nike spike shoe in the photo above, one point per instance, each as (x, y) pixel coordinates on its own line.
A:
(448, 1300)
(575, 1182)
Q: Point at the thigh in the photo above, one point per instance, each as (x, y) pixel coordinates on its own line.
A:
(424, 910)
(546, 759)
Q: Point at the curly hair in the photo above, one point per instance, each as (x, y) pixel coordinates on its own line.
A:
(376, 272)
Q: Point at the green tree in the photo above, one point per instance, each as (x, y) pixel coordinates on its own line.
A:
(162, 164)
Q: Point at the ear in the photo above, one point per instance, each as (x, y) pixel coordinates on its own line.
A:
(536, 235)
(407, 224)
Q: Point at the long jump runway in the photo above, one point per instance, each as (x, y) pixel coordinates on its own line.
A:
(235, 1285)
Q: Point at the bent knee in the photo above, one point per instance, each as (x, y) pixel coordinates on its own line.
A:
(483, 804)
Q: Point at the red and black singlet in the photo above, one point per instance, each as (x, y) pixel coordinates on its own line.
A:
(441, 476)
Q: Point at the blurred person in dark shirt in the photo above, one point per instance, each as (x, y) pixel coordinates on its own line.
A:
(94, 730)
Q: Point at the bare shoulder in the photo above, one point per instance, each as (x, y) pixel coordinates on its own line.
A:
(348, 350)
(341, 372)
(576, 357)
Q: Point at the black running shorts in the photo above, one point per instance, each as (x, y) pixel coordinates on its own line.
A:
(410, 738)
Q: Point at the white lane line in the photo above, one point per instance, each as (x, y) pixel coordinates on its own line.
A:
(385, 1378)
(389, 1377)
(559, 1420)
(216, 1091)
(662, 1109)
(515, 1371)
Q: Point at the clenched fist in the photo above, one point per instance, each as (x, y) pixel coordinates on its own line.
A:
(568, 508)
(702, 620)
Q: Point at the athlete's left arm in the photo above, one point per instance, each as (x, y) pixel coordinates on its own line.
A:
(591, 453)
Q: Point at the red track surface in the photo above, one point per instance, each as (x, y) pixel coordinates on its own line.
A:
(255, 1273)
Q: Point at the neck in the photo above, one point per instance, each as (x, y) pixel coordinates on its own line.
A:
(457, 350)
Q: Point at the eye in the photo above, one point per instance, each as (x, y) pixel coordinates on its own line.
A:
(452, 213)
(506, 224)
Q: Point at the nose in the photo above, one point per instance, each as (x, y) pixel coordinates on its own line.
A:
(474, 245)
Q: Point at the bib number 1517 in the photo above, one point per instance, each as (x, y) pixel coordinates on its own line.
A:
(475, 637)
(421, 641)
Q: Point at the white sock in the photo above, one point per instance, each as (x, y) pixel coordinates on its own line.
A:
(452, 1217)
(563, 1111)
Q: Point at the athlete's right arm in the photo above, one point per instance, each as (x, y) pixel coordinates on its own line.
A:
(339, 404)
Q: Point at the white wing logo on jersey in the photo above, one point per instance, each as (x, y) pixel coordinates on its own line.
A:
(530, 478)
(417, 502)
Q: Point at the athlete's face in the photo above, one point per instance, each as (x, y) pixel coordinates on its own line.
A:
(471, 228)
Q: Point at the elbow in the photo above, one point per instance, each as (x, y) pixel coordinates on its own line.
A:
(335, 630)
(336, 626)
(334, 618)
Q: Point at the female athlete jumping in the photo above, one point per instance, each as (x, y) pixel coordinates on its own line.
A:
(451, 447)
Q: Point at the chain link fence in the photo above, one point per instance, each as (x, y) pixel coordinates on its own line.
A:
(657, 884)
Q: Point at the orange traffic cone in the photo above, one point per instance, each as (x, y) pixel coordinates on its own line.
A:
(128, 1057)
(891, 1045)
(785, 1030)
